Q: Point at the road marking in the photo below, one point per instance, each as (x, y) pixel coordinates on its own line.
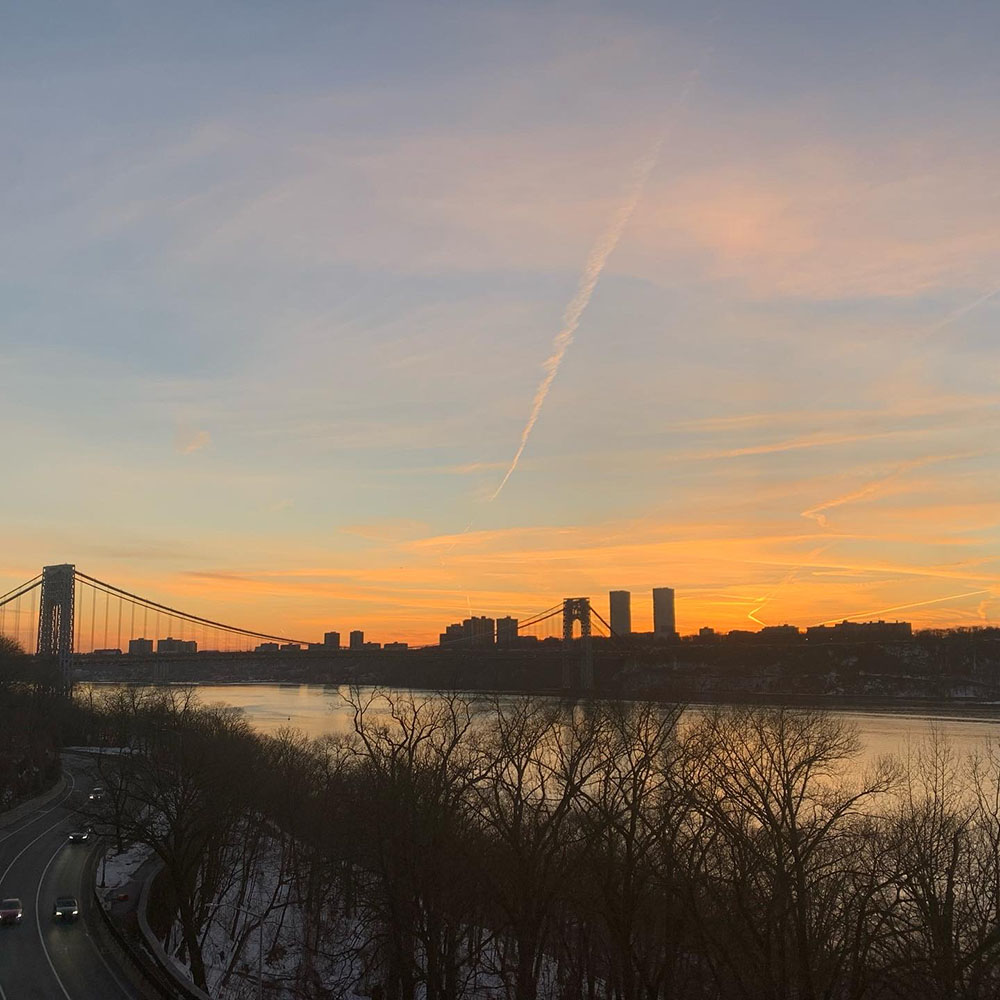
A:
(111, 972)
(13, 862)
(3, 995)
(41, 936)
(18, 829)
(96, 949)
(38, 920)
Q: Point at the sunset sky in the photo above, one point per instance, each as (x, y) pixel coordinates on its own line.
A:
(279, 282)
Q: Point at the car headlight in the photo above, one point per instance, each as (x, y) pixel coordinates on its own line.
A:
(76, 913)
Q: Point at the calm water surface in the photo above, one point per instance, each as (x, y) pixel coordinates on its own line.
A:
(321, 709)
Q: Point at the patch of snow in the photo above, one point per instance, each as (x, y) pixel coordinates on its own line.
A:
(118, 869)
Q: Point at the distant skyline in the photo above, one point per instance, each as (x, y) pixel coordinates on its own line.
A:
(280, 282)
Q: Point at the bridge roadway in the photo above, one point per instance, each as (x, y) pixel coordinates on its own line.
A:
(41, 959)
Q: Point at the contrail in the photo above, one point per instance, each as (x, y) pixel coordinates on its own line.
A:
(869, 489)
(598, 257)
(953, 317)
(903, 607)
(752, 615)
(875, 486)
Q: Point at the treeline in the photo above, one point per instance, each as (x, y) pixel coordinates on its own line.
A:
(29, 725)
(524, 849)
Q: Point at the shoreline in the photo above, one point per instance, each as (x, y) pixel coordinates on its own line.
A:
(965, 710)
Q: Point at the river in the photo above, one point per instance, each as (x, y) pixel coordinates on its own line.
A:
(318, 710)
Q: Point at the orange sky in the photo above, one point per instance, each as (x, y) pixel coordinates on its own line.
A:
(278, 316)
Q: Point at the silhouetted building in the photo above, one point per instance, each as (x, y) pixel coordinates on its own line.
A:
(172, 645)
(267, 647)
(664, 624)
(780, 633)
(506, 631)
(479, 631)
(107, 652)
(331, 640)
(525, 642)
(845, 631)
(140, 647)
(620, 606)
(371, 646)
(706, 634)
(357, 639)
(396, 646)
(290, 647)
(453, 633)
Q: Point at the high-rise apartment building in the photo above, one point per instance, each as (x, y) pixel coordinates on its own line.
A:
(140, 647)
(331, 640)
(663, 612)
(479, 630)
(357, 639)
(620, 602)
(453, 633)
(506, 631)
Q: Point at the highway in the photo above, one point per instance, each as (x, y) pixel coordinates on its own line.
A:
(41, 959)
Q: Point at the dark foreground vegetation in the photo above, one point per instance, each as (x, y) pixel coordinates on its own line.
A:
(526, 849)
(29, 737)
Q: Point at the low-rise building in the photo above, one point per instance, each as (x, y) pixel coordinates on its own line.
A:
(172, 645)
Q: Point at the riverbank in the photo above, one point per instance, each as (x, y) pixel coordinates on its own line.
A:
(956, 668)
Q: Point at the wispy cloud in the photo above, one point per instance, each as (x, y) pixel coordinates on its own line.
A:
(877, 486)
(187, 442)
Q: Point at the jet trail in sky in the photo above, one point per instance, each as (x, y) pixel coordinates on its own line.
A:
(903, 607)
(596, 260)
(955, 316)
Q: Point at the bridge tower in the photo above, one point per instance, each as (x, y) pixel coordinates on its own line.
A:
(56, 616)
(577, 609)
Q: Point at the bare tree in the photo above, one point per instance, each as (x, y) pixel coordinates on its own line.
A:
(633, 881)
(539, 757)
(776, 912)
(417, 760)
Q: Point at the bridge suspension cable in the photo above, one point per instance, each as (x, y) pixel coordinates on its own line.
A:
(541, 616)
(596, 614)
(20, 628)
(136, 601)
(19, 591)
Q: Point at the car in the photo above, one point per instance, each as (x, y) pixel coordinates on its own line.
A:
(79, 836)
(66, 908)
(10, 911)
(96, 793)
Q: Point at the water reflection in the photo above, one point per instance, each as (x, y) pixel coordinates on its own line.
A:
(318, 710)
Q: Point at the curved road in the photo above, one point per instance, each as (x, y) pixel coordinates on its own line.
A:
(41, 959)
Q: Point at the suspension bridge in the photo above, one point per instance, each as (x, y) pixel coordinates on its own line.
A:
(63, 614)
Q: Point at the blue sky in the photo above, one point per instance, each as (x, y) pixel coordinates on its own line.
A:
(278, 283)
